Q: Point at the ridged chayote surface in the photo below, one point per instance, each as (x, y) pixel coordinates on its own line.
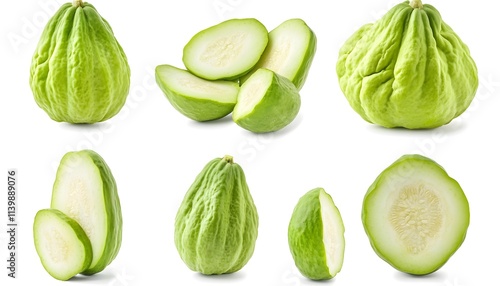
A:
(409, 69)
(79, 72)
(216, 225)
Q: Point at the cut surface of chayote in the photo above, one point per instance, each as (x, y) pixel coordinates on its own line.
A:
(85, 190)
(266, 102)
(290, 51)
(61, 243)
(227, 50)
(409, 69)
(316, 236)
(415, 215)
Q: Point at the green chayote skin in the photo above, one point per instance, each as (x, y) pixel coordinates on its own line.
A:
(216, 225)
(409, 69)
(79, 72)
(278, 107)
(298, 73)
(113, 213)
(305, 236)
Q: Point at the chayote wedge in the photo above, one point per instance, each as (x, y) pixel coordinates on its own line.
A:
(316, 236)
(266, 102)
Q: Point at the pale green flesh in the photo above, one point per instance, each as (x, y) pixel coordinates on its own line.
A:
(267, 102)
(227, 50)
(416, 222)
(252, 93)
(57, 242)
(333, 234)
(288, 50)
(186, 84)
(78, 193)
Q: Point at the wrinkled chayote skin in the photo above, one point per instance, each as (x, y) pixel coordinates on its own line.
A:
(216, 225)
(79, 72)
(409, 69)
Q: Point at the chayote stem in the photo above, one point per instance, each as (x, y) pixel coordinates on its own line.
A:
(416, 4)
(78, 3)
(228, 159)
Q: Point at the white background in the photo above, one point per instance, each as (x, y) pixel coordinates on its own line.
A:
(155, 152)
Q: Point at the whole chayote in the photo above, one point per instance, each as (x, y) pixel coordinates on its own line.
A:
(216, 225)
(409, 69)
(79, 72)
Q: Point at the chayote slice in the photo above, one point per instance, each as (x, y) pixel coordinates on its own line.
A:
(227, 50)
(194, 97)
(415, 215)
(409, 69)
(62, 245)
(289, 53)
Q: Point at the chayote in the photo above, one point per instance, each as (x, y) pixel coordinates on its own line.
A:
(86, 191)
(216, 224)
(409, 69)
(79, 72)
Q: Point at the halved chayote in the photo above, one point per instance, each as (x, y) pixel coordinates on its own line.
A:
(85, 190)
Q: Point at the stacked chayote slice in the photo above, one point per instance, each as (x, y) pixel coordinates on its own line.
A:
(237, 66)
